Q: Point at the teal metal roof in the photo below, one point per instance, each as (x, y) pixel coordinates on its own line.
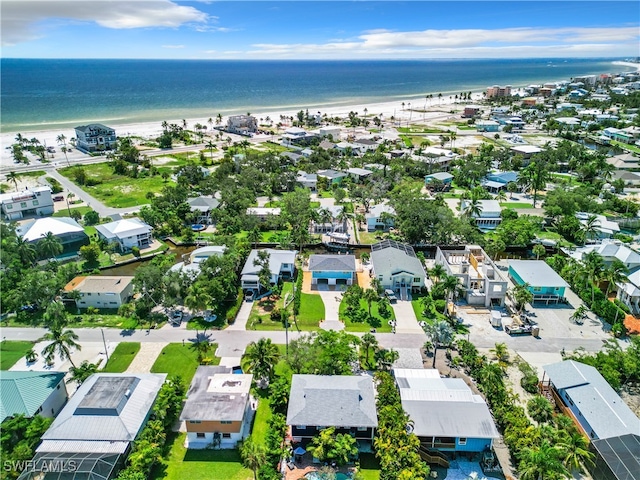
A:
(25, 392)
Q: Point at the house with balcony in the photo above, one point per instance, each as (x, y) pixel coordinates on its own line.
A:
(101, 291)
(481, 280)
(445, 414)
(333, 177)
(70, 234)
(332, 269)
(126, 233)
(359, 175)
(31, 202)
(203, 207)
(218, 410)
(542, 280)
(604, 228)
(296, 136)
(346, 402)
(498, 180)
(397, 267)
(489, 215)
(443, 177)
(95, 137)
(580, 392)
(192, 263)
(281, 265)
(32, 393)
(487, 125)
(263, 213)
(380, 217)
(242, 124)
(307, 180)
(330, 219)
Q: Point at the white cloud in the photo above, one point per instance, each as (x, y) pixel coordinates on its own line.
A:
(23, 20)
(466, 43)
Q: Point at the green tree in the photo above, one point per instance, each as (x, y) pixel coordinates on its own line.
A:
(198, 298)
(264, 274)
(370, 296)
(328, 446)
(541, 462)
(575, 450)
(49, 246)
(25, 250)
(91, 254)
(369, 341)
(13, 177)
(253, 455)
(538, 250)
(540, 409)
(297, 212)
(261, 358)
(81, 373)
(62, 341)
(91, 218)
(440, 334)
(521, 295)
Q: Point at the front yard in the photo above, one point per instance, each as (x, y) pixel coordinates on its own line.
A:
(177, 359)
(11, 351)
(380, 323)
(308, 319)
(122, 357)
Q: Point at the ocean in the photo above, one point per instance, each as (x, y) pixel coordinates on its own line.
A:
(47, 94)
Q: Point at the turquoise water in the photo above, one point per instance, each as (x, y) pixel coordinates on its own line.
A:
(43, 94)
(315, 476)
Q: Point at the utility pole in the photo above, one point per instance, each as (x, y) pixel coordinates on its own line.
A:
(106, 352)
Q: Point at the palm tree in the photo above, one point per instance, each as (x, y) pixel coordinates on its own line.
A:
(385, 358)
(368, 341)
(540, 462)
(575, 450)
(538, 250)
(253, 456)
(540, 409)
(49, 246)
(472, 208)
(440, 334)
(437, 272)
(452, 288)
(594, 268)
(64, 150)
(501, 196)
(578, 315)
(370, 296)
(591, 227)
(210, 146)
(70, 196)
(261, 358)
(62, 341)
(26, 251)
(81, 373)
(521, 295)
(501, 352)
(198, 298)
(13, 177)
(615, 274)
(201, 346)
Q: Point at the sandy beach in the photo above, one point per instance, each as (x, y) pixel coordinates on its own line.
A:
(415, 109)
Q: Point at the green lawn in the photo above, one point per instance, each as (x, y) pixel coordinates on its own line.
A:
(36, 173)
(516, 205)
(11, 351)
(117, 191)
(263, 414)
(65, 212)
(181, 360)
(350, 326)
(369, 238)
(106, 318)
(122, 357)
(369, 466)
(181, 464)
(311, 312)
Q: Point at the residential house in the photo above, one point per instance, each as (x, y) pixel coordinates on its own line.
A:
(445, 414)
(496, 181)
(203, 207)
(95, 137)
(481, 280)
(218, 409)
(489, 216)
(332, 132)
(380, 217)
(437, 158)
(346, 402)
(263, 213)
(330, 220)
(35, 201)
(348, 148)
(527, 151)
(603, 228)
(191, 265)
(296, 136)
(570, 123)
(281, 265)
(471, 111)
(397, 267)
(291, 158)
(70, 234)
(629, 178)
(366, 144)
(307, 180)
(242, 124)
(32, 393)
(614, 458)
(487, 125)
(332, 269)
(327, 145)
(626, 161)
(444, 177)
(333, 177)
(101, 291)
(359, 175)
(96, 429)
(126, 233)
(542, 280)
(585, 396)
(618, 134)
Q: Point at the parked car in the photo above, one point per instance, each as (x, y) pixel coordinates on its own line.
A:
(29, 308)
(58, 198)
(249, 296)
(390, 294)
(176, 317)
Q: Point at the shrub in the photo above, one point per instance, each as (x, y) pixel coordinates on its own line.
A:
(55, 185)
(233, 310)
(298, 294)
(439, 305)
(135, 251)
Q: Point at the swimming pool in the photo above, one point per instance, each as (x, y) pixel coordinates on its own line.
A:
(317, 476)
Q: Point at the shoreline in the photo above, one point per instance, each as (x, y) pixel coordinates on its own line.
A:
(422, 109)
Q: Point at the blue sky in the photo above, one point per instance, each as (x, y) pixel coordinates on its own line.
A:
(318, 30)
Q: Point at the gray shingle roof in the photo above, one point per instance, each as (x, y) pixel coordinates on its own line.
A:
(25, 392)
(216, 394)
(276, 259)
(389, 257)
(600, 406)
(332, 400)
(95, 414)
(203, 204)
(332, 263)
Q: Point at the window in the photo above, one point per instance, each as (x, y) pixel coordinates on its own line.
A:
(23, 204)
(200, 435)
(194, 421)
(58, 387)
(537, 289)
(225, 422)
(416, 279)
(35, 203)
(226, 435)
(362, 429)
(9, 206)
(462, 441)
(301, 427)
(89, 294)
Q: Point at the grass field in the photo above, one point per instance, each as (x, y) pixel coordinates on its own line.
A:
(350, 326)
(122, 357)
(263, 414)
(181, 360)
(117, 191)
(516, 205)
(65, 212)
(11, 351)
(182, 464)
(311, 312)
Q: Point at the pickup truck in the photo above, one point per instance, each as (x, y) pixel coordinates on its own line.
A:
(518, 329)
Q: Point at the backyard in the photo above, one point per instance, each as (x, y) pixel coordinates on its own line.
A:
(122, 357)
(178, 359)
(11, 351)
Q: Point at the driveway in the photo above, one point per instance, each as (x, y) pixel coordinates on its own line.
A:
(331, 300)
(406, 321)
